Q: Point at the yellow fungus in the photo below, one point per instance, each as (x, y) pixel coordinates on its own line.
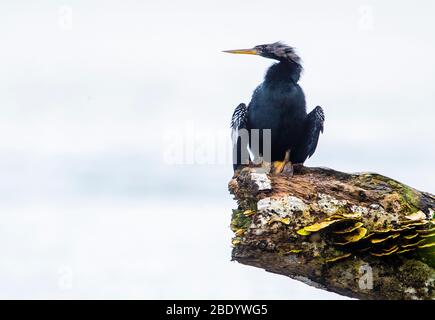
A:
(278, 219)
(427, 235)
(426, 230)
(404, 250)
(248, 212)
(336, 217)
(356, 236)
(353, 215)
(392, 249)
(379, 240)
(385, 230)
(235, 241)
(414, 223)
(405, 228)
(319, 226)
(427, 245)
(410, 236)
(350, 229)
(380, 254)
(303, 232)
(294, 251)
(410, 245)
(240, 232)
(338, 258)
(285, 220)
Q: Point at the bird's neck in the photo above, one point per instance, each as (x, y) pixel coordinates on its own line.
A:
(283, 72)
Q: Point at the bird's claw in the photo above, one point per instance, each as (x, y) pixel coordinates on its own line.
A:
(283, 167)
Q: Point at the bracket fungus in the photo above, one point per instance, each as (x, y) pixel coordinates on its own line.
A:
(324, 226)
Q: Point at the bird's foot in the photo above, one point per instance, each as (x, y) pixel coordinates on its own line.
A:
(283, 167)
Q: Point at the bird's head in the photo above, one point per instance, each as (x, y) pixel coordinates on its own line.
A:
(277, 50)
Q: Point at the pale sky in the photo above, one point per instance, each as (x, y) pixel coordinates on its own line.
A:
(93, 94)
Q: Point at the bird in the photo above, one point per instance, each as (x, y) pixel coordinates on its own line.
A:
(277, 104)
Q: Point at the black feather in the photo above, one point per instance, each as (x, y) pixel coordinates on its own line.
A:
(239, 120)
(279, 104)
(240, 116)
(314, 127)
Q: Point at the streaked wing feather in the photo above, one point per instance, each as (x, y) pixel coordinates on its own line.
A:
(315, 120)
(240, 117)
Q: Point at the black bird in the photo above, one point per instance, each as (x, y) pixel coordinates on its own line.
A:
(278, 104)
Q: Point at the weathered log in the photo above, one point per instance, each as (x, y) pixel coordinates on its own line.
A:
(361, 235)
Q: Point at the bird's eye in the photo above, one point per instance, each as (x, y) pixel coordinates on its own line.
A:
(261, 48)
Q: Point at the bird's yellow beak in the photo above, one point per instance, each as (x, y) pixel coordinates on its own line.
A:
(242, 51)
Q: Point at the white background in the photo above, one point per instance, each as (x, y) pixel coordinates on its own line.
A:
(96, 98)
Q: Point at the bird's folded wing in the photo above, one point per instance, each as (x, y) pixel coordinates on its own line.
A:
(240, 116)
(314, 126)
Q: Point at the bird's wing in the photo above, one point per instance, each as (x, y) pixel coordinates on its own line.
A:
(314, 126)
(239, 121)
(240, 117)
